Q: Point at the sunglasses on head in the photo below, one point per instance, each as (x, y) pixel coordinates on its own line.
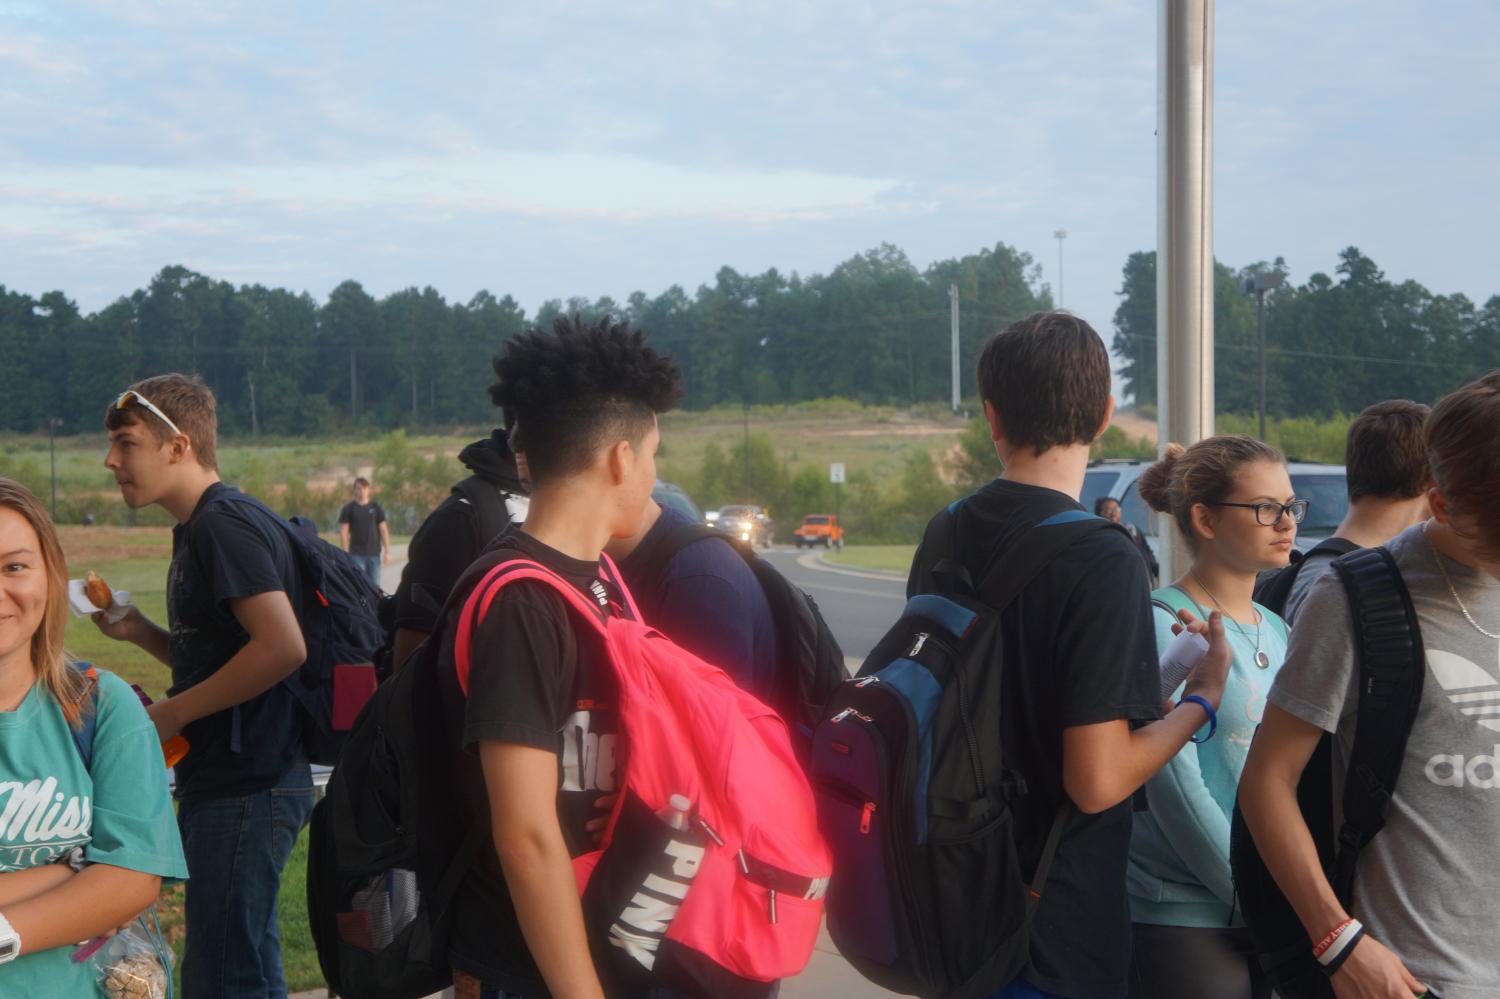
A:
(131, 395)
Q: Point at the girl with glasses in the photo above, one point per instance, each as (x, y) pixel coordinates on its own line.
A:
(87, 833)
(1232, 499)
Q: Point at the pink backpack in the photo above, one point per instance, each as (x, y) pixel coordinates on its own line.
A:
(712, 872)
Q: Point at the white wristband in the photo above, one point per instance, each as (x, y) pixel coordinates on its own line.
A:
(1340, 943)
(10, 941)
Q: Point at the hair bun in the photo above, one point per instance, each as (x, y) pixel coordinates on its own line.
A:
(1155, 485)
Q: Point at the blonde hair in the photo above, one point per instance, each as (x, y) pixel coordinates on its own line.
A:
(55, 669)
(1204, 473)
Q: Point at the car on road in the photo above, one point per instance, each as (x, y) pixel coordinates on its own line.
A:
(747, 523)
(1323, 486)
(819, 529)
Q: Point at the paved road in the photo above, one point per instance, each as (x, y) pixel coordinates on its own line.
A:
(858, 604)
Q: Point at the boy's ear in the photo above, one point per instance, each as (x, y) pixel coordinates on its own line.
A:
(619, 460)
(178, 448)
(992, 417)
(1109, 414)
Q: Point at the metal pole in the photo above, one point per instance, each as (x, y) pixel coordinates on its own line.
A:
(747, 451)
(1184, 237)
(52, 452)
(1060, 235)
(953, 328)
(1260, 312)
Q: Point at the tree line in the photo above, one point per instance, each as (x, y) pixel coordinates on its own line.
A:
(874, 329)
(1334, 344)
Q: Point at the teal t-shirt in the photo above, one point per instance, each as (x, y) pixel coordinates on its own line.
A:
(1179, 848)
(120, 812)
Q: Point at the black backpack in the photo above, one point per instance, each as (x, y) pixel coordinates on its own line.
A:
(340, 625)
(491, 516)
(809, 662)
(388, 845)
(928, 896)
(1391, 666)
(1273, 586)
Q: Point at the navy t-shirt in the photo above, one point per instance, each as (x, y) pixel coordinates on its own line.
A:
(707, 601)
(223, 553)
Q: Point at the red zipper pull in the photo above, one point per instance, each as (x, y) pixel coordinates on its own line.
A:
(864, 816)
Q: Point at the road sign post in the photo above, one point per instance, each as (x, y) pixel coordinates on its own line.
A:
(836, 476)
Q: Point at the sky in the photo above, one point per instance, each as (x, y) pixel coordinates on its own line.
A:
(581, 148)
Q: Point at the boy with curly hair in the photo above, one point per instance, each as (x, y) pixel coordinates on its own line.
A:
(541, 709)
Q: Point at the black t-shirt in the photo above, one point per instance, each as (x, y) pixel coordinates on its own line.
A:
(219, 555)
(440, 551)
(1079, 649)
(364, 526)
(539, 676)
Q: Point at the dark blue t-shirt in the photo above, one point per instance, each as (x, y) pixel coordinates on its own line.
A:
(224, 552)
(707, 601)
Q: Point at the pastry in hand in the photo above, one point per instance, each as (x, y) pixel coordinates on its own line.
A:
(98, 591)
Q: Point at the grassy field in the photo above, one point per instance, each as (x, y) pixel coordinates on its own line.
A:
(891, 558)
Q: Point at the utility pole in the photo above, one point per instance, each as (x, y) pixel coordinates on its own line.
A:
(52, 424)
(1059, 235)
(953, 328)
(1184, 234)
(353, 382)
(1258, 286)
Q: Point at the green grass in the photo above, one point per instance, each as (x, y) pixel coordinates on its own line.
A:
(892, 558)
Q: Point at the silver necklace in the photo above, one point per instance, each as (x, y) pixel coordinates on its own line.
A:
(1451, 589)
(1261, 659)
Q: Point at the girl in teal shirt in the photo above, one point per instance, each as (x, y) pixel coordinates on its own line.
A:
(112, 818)
(1231, 498)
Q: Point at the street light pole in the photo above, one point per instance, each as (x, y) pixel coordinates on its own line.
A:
(52, 424)
(1060, 235)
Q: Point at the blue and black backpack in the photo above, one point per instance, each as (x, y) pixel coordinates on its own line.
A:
(340, 626)
(928, 895)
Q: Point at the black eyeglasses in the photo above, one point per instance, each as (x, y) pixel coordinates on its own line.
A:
(1270, 514)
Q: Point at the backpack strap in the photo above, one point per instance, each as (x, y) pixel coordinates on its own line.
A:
(88, 715)
(513, 571)
(654, 561)
(488, 504)
(1392, 664)
(1017, 565)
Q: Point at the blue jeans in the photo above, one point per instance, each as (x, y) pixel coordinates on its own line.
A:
(236, 848)
(371, 565)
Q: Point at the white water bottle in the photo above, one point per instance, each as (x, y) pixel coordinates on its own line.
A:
(1185, 652)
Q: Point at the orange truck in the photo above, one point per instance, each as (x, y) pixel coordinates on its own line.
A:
(819, 529)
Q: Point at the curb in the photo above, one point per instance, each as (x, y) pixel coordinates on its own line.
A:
(821, 558)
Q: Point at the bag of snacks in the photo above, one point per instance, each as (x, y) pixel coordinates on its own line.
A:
(133, 964)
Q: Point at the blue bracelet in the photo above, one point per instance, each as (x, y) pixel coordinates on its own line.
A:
(1213, 717)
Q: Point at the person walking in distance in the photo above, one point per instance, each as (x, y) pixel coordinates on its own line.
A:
(363, 531)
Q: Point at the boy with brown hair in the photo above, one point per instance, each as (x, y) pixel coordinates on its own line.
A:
(1423, 910)
(244, 789)
(1385, 461)
(1081, 713)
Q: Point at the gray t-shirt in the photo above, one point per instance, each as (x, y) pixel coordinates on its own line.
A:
(1429, 885)
(1312, 570)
